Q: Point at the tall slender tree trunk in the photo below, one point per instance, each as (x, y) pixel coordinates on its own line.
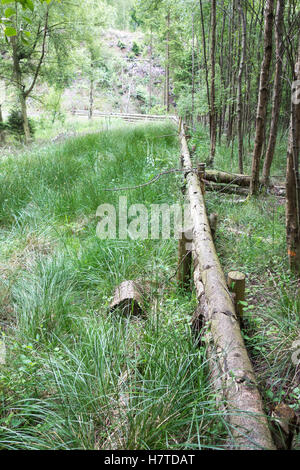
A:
(277, 92)
(263, 96)
(231, 75)
(193, 67)
(205, 60)
(213, 135)
(21, 88)
(168, 64)
(150, 69)
(2, 136)
(91, 104)
(240, 76)
(292, 176)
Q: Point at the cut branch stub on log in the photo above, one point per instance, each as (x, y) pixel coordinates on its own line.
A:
(248, 423)
(128, 298)
(237, 282)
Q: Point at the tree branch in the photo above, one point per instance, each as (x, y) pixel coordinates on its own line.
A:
(27, 92)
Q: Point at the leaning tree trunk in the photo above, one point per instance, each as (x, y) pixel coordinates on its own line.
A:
(263, 96)
(292, 177)
(277, 92)
(240, 76)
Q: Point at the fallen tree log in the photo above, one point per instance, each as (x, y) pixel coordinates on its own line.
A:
(249, 425)
(226, 188)
(229, 188)
(228, 178)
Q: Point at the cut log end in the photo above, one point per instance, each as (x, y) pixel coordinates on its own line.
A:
(237, 284)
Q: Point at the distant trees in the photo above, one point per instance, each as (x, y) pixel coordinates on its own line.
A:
(277, 91)
(223, 72)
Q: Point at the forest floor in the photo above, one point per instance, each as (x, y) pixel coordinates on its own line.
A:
(79, 377)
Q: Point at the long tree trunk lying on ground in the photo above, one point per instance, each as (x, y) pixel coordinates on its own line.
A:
(230, 188)
(248, 423)
(228, 178)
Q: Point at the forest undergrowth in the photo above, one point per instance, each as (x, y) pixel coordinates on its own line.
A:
(78, 376)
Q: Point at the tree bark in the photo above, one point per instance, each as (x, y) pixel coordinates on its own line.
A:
(228, 178)
(205, 57)
(20, 88)
(2, 135)
(128, 297)
(150, 69)
(168, 64)
(213, 135)
(277, 92)
(91, 104)
(292, 177)
(240, 76)
(193, 68)
(263, 96)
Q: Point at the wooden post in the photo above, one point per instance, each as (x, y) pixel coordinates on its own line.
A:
(184, 259)
(201, 176)
(236, 282)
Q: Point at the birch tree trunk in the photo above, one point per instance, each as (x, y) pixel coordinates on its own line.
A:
(2, 136)
(235, 376)
(292, 177)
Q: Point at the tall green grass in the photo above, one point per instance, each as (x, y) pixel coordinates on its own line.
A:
(77, 376)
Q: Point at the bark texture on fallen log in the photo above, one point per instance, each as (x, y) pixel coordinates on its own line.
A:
(227, 178)
(128, 297)
(226, 188)
(229, 188)
(246, 416)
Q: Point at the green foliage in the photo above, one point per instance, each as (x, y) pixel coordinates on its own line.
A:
(136, 49)
(78, 377)
(121, 45)
(15, 123)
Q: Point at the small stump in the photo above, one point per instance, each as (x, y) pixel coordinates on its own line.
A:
(237, 283)
(128, 298)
